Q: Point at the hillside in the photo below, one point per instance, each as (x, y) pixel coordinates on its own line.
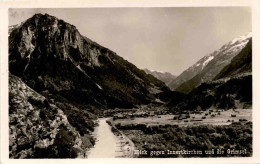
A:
(235, 93)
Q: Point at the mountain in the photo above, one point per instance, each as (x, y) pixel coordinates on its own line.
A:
(231, 88)
(209, 66)
(165, 77)
(51, 56)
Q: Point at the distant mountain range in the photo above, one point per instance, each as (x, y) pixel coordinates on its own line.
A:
(209, 66)
(165, 77)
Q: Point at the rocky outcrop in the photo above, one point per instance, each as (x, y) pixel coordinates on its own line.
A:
(37, 127)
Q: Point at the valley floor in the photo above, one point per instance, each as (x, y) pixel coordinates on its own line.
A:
(206, 131)
(123, 137)
(221, 118)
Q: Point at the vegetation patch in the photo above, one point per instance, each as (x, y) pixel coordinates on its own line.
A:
(206, 140)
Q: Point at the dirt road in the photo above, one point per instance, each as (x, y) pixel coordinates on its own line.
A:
(107, 145)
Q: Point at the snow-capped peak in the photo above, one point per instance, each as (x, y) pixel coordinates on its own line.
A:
(241, 38)
(235, 45)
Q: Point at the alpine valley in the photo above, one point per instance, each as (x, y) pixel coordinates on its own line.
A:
(61, 83)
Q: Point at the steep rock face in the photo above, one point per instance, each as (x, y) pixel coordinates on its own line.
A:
(38, 128)
(50, 54)
(209, 66)
(165, 77)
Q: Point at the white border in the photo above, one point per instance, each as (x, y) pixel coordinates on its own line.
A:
(255, 5)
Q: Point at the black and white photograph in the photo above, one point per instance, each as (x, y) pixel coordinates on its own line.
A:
(130, 82)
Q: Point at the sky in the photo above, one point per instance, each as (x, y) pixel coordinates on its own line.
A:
(168, 39)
